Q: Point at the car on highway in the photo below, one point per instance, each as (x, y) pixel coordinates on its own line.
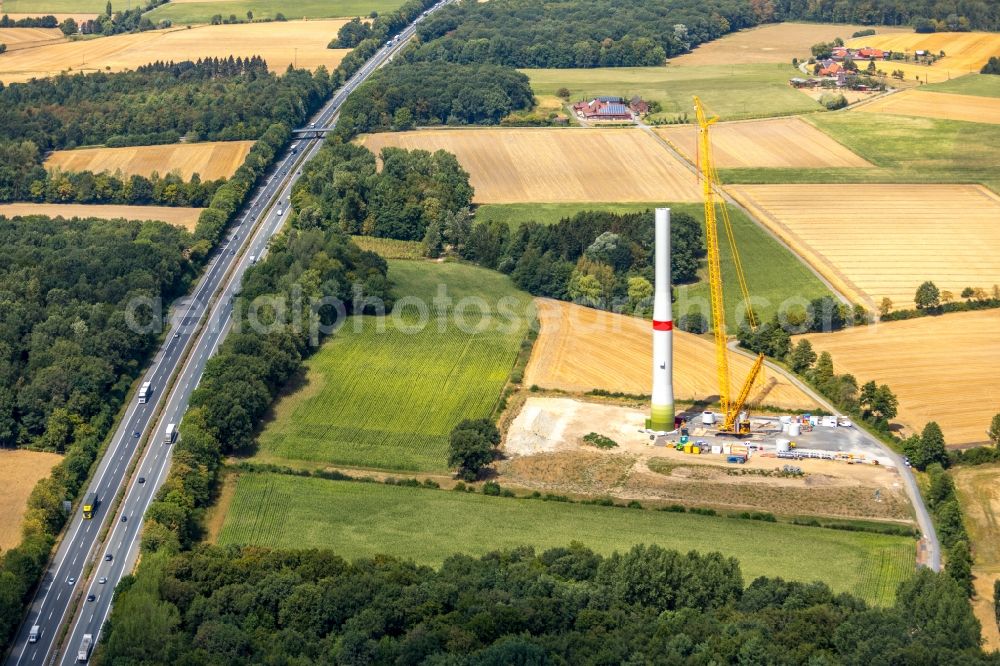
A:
(102, 580)
(109, 557)
(90, 597)
(142, 479)
(71, 580)
(177, 334)
(136, 434)
(124, 518)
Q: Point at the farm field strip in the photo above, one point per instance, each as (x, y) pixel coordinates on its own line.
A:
(556, 165)
(429, 525)
(21, 38)
(210, 160)
(982, 85)
(937, 105)
(388, 399)
(875, 241)
(182, 217)
(770, 43)
(942, 368)
(279, 43)
(579, 349)
(964, 51)
(201, 11)
(20, 470)
(780, 142)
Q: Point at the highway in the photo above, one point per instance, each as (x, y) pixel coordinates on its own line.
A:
(199, 323)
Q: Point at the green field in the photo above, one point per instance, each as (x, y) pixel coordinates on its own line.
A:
(773, 273)
(982, 85)
(364, 519)
(389, 399)
(904, 149)
(202, 12)
(39, 7)
(390, 248)
(729, 91)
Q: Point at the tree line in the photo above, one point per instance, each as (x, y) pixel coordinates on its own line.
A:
(48, 21)
(563, 605)
(341, 188)
(434, 93)
(68, 356)
(925, 15)
(585, 33)
(131, 19)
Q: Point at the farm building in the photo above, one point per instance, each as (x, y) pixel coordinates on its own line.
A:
(603, 108)
(841, 53)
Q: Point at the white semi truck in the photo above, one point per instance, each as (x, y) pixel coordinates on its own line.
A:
(83, 654)
(145, 391)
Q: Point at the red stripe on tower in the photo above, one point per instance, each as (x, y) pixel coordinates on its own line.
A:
(663, 325)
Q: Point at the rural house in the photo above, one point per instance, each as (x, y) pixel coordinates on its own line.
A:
(603, 108)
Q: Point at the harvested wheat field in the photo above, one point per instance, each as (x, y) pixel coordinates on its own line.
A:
(876, 241)
(23, 38)
(775, 42)
(964, 51)
(181, 217)
(580, 349)
(944, 369)
(937, 105)
(279, 43)
(210, 160)
(979, 493)
(780, 142)
(19, 472)
(556, 165)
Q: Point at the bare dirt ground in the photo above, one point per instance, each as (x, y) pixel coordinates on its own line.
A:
(19, 472)
(979, 494)
(545, 450)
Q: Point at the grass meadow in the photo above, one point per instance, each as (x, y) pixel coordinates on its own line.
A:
(732, 92)
(903, 149)
(773, 272)
(389, 399)
(202, 12)
(983, 85)
(426, 525)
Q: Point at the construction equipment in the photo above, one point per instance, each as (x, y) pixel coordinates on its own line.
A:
(736, 421)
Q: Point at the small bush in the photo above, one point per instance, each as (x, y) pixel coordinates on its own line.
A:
(634, 504)
(703, 512)
(674, 508)
(600, 441)
(491, 488)
(833, 101)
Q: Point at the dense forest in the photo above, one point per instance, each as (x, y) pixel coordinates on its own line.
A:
(68, 356)
(929, 15)
(415, 189)
(434, 93)
(586, 33)
(596, 258)
(563, 606)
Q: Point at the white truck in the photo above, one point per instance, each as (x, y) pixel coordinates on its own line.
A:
(83, 654)
(144, 392)
(35, 632)
(171, 435)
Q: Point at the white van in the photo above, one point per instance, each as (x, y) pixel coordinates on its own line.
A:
(35, 632)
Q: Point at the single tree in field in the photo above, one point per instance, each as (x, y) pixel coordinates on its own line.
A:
(107, 9)
(932, 448)
(994, 431)
(885, 307)
(69, 27)
(472, 447)
(802, 357)
(968, 293)
(563, 92)
(927, 296)
(249, 15)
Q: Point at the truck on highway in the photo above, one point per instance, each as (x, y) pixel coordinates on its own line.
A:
(145, 391)
(89, 505)
(171, 435)
(83, 654)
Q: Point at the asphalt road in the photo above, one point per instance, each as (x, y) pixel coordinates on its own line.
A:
(185, 351)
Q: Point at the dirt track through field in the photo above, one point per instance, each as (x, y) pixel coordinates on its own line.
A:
(875, 241)
(938, 105)
(580, 349)
(556, 165)
(280, 43)
(181, 217)
(944, 369)
(19, 472)
(210, 160)
(781, 142)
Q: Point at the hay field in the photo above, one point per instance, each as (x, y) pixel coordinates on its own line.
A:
(774, 42)
(279, 43)
(556, 165)
(944, 369)
(580, 349)
(181, 217)
(876, 241)
(964, 51)
(201, 11)
(24, 38)
(44, 7)
(973, 109)
(781, 142)
(211, 159)
(19, 472)
(979, 494)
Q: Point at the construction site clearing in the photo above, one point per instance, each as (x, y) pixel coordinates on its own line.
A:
(828, 471)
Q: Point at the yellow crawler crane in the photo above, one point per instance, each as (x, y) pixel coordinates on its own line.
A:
(731, 408)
